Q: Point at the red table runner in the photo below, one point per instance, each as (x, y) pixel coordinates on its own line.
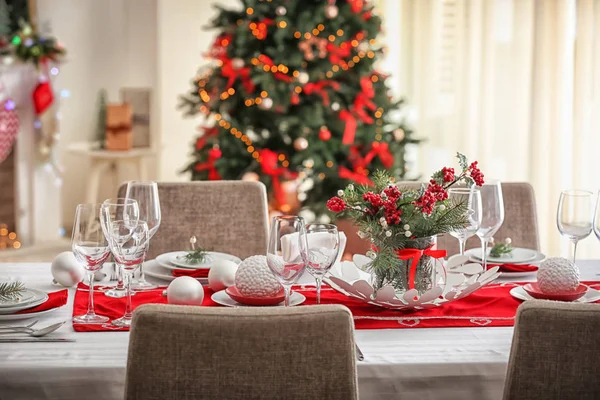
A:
(491, 305)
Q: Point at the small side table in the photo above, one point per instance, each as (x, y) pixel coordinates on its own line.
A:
(103, 161)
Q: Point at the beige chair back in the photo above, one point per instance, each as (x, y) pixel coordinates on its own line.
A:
(555, 352)
(520, 219)
(300, 353)
(227, 216)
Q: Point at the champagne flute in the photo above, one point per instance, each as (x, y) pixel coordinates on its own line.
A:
(472, 198)
(90, 248)
(146, 194)
(574, 216)
(113, 210)
(287, 251)
(129, 243)
(492, 215)
(324, 246)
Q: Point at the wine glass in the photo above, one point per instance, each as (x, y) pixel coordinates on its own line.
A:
(129, 242)
(574, 216)
(113, 210)
(492, 215)
(323, 248)
(146, 194)
(90, 248)
(287, 251)
(471, 197)
(597, 217)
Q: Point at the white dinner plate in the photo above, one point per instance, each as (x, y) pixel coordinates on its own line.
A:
(590, 296)
(223, 299)
(167, 260)
(16, 317)
(518, 255)
(38, 298)
(539, 257)
(26, 297)
(151, 268)
(517, 275)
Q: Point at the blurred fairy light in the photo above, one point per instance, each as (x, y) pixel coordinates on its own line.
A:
(65, 93)
(37, 124)
(54, 71)
(9, 105)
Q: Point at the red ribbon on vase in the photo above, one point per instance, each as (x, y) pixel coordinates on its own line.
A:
(268, 162)
(415, 255)
(213, 155)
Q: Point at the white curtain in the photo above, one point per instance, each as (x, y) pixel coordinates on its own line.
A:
(514, 84)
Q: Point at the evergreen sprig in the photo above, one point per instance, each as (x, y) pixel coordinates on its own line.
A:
(501, 249)
(11, 290)
(196, 256)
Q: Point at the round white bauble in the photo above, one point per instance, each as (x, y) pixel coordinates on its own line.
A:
(399, 134)
(185, 290)
(363, 46)
(303, 78)
(558, 275)
(66, 270)
(237, 63)
(222, 275)
(335, 106)
(254, 278)
(301, 144)
(281, 10)
(331, 11)
(266, 103)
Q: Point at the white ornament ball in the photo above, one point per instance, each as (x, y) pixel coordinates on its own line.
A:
(281, 10)
(363, 46)
(222, 275)
(237, 63)
(250, 176)
(254, 278)
(331, 11)
(300, 144)
(66, 270)
(399, 134)
(335, 106)
(303, 78)
(266, 103)
(558, 275)
(185, 290)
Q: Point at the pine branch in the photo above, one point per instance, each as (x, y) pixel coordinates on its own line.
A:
(11, 290)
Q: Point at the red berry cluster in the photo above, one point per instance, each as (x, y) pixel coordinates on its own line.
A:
(448, 174)
(433, 194)
(375, 200)
(391, 212)
(476, 174)
(392, 192)
(336, 204)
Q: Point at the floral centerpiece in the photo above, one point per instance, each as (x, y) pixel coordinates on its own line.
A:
(402, 224)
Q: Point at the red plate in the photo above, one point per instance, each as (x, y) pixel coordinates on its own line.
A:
(255, 301)
(534, 291)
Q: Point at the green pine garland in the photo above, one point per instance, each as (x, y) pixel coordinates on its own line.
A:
(11, 290)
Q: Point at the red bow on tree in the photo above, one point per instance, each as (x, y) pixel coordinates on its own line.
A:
(268, 162)
(380, 149)
(209, 131)
(319, 88)
(354, 176)
(213, 155)
(278, 75)
(362, 101)
(356, 5)
(232, 73)
(219, 48)
(338, 54)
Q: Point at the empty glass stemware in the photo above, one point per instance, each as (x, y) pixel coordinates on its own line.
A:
(90, 248)
(129, 243)
(146, 194)
(287, 251)
(471, 197)
(574, 216)
(113, 210)
(597, 217)
(492, 215)
(323, 248)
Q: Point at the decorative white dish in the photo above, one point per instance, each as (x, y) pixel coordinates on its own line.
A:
(154, 270)
(223, 299)
(16, 317)
(519, 255)
(38, 297)
(170, 261)
(590, 296)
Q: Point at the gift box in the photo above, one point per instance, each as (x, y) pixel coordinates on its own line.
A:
(119, 135)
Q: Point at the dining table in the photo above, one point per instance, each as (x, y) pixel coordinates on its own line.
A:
(416, 363)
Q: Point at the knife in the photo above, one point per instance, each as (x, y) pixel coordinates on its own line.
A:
(33, 340)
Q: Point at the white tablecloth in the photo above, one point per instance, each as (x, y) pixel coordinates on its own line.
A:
(448, 363)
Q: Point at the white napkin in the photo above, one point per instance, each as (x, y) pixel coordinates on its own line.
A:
(290, 250)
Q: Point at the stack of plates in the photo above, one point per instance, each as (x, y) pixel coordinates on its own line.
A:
(29, 299)
(519, 256)
(165, 264)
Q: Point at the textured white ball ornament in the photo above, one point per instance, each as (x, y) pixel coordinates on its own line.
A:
(558, 275)
(185, 290)
(66, 270)
(222, 275)
(254, 278)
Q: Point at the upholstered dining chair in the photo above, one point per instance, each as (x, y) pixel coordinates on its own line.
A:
(520, 221)
(555, 352)
(227, 216)
(300, 353)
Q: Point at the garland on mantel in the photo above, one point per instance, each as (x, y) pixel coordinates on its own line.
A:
(27, 45)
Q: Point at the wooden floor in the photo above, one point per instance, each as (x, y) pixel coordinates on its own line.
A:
(43, 252)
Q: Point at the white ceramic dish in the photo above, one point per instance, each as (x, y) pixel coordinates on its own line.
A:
(591, 295)
(16, 317)
(38, 298)
(26, 297)
(223, 299)
(539, 257)
(519, 255)
(151, 268)
(166, 260)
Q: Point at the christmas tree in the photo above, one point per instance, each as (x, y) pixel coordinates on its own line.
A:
(293, 95)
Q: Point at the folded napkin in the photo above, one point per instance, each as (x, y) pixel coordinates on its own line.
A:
(514, 267)
(289, 244)
(55, 300)
(194, 273)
